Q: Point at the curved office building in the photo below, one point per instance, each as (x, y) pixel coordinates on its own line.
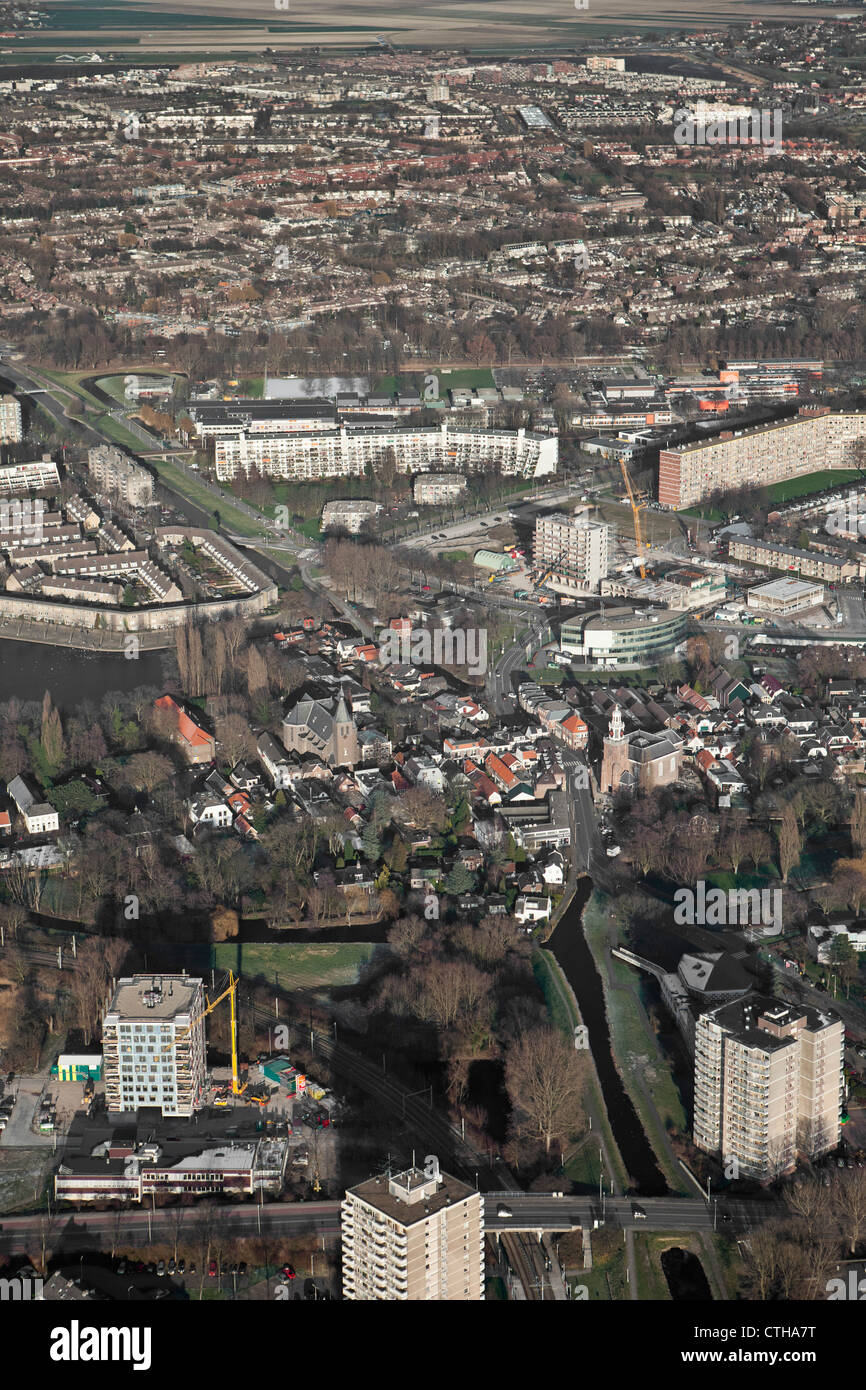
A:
(620, 637)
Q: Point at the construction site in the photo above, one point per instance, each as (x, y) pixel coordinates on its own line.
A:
(160, 1120)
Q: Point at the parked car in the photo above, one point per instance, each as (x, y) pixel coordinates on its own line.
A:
(289, 1271)
(212, 1269)
(160, 1269)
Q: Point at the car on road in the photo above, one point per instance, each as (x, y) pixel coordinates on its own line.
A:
(638, 1212)
(503, 1212)
(288, 1271)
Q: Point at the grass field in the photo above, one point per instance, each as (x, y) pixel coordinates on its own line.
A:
(459, 378)
(296, 966)
(810, 482)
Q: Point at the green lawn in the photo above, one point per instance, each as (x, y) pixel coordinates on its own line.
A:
(810, 482)
(188, 487)
(464, 378)
(108, 426)
(296, 966)
(113, 386)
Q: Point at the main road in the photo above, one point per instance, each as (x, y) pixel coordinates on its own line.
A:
(66, 1229)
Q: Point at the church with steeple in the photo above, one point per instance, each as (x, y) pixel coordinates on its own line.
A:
(324, 729)
(639, 761)
(615, 761)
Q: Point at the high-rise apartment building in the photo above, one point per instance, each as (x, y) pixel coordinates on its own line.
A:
(11, 425)
(153, 1044)
(572, 551)
(768, 1083)
(416, 1236)
(758, 457)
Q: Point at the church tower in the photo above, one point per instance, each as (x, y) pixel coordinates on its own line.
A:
(345, 751)
(615, 762)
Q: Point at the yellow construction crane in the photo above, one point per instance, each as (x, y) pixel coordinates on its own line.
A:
(230, 990)
(635, 511)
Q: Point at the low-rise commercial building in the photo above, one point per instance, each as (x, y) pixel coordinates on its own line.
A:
(785, 596)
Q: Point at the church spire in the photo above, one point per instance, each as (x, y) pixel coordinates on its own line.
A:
(616, 725)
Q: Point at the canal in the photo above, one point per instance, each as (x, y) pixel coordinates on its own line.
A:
(568, 944)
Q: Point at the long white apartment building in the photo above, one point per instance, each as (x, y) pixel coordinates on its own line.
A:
(39, 476)
(417, 1236)
(573, 550)
(153, 1044)
(348, 451)
(758, 457)
(768, 1083)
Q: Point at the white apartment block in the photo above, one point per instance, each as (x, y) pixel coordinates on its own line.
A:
(39, 476)
(438, 487)
(11, 424)
(768, 1083)
(112, 471)
(758, 457)
(349, 451)
(153, 1044)
(413, 1237)
(349, 516)
(573, 551)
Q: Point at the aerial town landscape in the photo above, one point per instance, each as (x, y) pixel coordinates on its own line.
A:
(433, 664)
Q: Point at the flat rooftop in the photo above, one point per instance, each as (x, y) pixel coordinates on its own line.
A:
(787, 588)
(432, 1197)
(153, 997)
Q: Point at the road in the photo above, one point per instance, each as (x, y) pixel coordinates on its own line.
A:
(53, 404)
(531, 1213)
(585, 840)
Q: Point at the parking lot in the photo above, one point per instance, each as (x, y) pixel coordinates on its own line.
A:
(19, 1131)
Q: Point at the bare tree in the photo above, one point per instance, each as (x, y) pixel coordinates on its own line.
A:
(858, 821)
(545, 1078)
(849, 1202)
(790, 841)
